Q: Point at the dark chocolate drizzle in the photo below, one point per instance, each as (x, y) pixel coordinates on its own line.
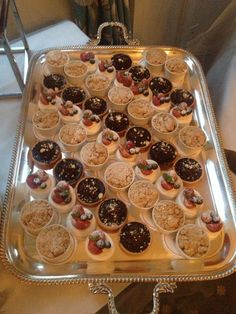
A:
(117, 121)
(160, 85)
(181, 95)
(73, 94)
(53, 81)
(138, 73)
(163, 152)
(97, 105)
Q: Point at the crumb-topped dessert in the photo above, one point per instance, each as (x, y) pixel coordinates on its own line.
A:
(110, 139)
(117, 121)
(135, 238)
(62, 197)
(139, 112)
(121, 61)
(140, 137)
(69, 170)
(119, 175)
(99, 245)
(147, 169)
(81, 221)
(90, 191)
(94, 155)
(192, 241)
(112, 214)
(35, 215)
(169, 184)
(55, 61)
(69, 112)
(168, 216)
(155, 60)
(160, 85)
(211, 222)
(143, 194)
(164, 125)
(191, 201)
(175, 70)
(46, 122)
(120, 97)
(75, 72)
(74, 94)
(191, 139)
(163, 153)
(45, 154)
(97, 105)
(97, 84)
(55, 244)
(91, 122)
(40, 183)
(189, 170)
(72, 136)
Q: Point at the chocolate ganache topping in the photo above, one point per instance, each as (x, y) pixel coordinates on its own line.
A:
(54, 81)
(69, 170)
(73, 94)
(96, 105)
(160, 85)
(181, 95)
(135, 237)
(138, 73)
(163, 152)
(121, 61)
(112, 212)
(117, 121)
(188, 169)
(140, 136)
(90, 190)
(46, 151)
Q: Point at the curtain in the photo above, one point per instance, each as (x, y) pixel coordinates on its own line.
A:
(89, 14)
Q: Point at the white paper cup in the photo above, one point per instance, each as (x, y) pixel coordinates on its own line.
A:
(175, 71)
(76, 72)
(56, 60)
(155, 59)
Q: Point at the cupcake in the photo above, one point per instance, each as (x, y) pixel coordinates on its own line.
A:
(139, 112)
(94, 155)
(69, 170)
(117, 121)
(39, 184)
(81, 221)
(169, 184)
(35, 215)
(212, 224)
(72, 136)
(70, 113)
(89, 58)
(164, 154)
(140, 137)
(74, 94)
(45, 154)
(112, 214)
(97, 84)
(190, 201)
(135, 238)
(189, 170)
(121, 61)
(161, 85)
(168, 216)
(105, 67)
(90, 191)
(56, 60)
(164, 126)
(75, 72)
(110, 139)
(45, 123)
(99, 246)
(147, 169)
(97, 105)
(128, 152)
(55, 244)
(120, 97)
(191, 140)
(91, 122)
(175, 70)
(62, 197)
(155, 59)
(192, 242)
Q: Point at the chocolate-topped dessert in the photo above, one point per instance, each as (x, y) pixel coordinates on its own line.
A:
(139, 136)
(135, 237)
(90, 191)
(117, 121)
(138, 73)
(45, 154)
(188, 169)
(179, 96)
(121, 61)
(54, 81)
(164, 154)
(97, 105)
(74, 94)
(112, 214)
(69, 170)
(160, 85)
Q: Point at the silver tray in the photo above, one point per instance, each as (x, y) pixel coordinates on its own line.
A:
(18, 252)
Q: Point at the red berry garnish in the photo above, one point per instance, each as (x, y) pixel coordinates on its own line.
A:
(146, 172)
(119, 77)
(87, 122)
(101, 66)
(189, 204)
(214, 227)
(80, 224)
(105, 141)
(83, 56)
(127, 81)
(166, 186)
(129, 144)
(43, 99)
(176, 113)
(156, 100)
(135, 89)
(124, 152)
(30, 181)
(93, 248)
(90, 55)
(56, 197)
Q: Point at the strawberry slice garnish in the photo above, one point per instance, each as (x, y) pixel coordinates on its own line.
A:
(127, 81)
(214, 227)
(64, 111)
(124, 152)
(146, 172)
(166, 186)
(135, 90)
(119, 77)
(176, 113)
(101, 66)
(189, 204)
(43, 99)
(80, 224)
(30, 181)
(84, 56)
(105, 141)
(87, 122)
(56, 197)
(93, 248)
(156, 101)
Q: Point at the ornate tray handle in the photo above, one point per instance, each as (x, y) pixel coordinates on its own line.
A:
(160, 287)
(130, 42)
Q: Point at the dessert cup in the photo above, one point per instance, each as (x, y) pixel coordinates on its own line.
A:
(39, 184)
(164, 126)
(72, 136)
(140, 137)
(69, 170)
(75, 95)
(90, 191)
(76, 72)
(121, 61)
(91, 122)
(164, 153)
(91, 61)
(69, 113)
(97, 105)
(155, 59)
(120, 97)
(191, 140)
(147, 169)
(189, 170)
(212, 224)
(56, 60)
(139, 112)
(110, 139)
(169, 185)
(97, 85)
(94, 155)
(117, 121)
(191, 202)
(46, 123)
(175, 71)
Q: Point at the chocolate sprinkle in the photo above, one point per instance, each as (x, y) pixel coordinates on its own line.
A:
(53, 81)
(163, 152)
(138, 73)
(135, 237)
(117, 121)
(112, 212)
(188, 169)
(90, 190)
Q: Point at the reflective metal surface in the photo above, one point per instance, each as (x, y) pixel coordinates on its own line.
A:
(18, 250)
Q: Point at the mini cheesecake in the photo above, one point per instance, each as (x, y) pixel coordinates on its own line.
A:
(45, 154)
(74, 94)
(135, 238)
(97, 105)
(140, 137)
(164, 154)
(39, 184)
(189, 170)
(190, 201)
(212, 224)
(128, 152)
(118, 122)
(121, 61)
(147, 169)
(81, 221)
(89, 58)
(62, 197)
(91, 122)
(90, 191)
(69, 170)
(110, 139)
(70, 113)
(112, 214)
(99, 245)
(169, 184)
(106, 68)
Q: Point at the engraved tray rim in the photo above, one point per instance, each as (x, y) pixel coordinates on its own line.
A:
(227, 270)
